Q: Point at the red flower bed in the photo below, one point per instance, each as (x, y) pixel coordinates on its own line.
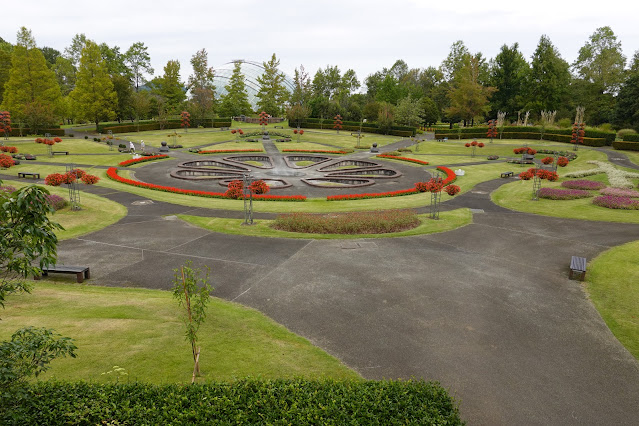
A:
(315, 151)
(452, 190)
(395, 157)
(450, 175)
(562, 161)
(547, 160)
(221, 151)
(54, 179)
(112, 173)
(542, 174)
(9, 149)
(142, 160)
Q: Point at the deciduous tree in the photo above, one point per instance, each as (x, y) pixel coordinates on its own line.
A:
(201, 86)
(139, 62)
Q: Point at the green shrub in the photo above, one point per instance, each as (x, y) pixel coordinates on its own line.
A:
(626, 145)
(623, 132)
(565, 123)
(378, 222)
(249, 401)
(631, 138)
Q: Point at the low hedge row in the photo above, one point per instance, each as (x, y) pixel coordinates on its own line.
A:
(328, 123)
(609, 137)
(588, 141)
(248, 401)
(24, 132)
(631, 138)
(368, 129)
(627, 145)
(170, 124)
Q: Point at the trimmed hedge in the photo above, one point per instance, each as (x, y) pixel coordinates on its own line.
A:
(248, 401)
(533, 132)
(170, 124)
(25, 132)
(588, 141)
(627, 145)
(395, 130)
(631, 138)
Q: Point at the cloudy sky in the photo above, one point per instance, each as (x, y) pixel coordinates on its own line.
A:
(363, 35)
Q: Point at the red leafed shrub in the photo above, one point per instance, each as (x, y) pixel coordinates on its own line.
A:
(295, 131)
(57, 140)
(527, 175)
(38, 140)
(259, 187)
(234, 190)
(89, 179)
(54, 179)
(452, 190)
(524, 150)
(474, 143)
(545, 174)
(9, 149)
(69, 178)
(6, 161)
(467, 145)
(480, 145)
(233, 131)
(301, 132)
(78, 173)
(562, 161)
(241, 132)
(547, 160)
(48, 142)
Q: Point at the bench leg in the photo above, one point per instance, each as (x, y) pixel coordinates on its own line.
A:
(80, 276)
(87, 274)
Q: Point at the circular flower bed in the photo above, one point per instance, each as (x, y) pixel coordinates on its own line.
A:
(563, 194)
(613, 202)
(583, 184)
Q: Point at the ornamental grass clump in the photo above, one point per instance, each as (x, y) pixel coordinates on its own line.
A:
(590, 185)
(613, 202)
(563, 194)
(381, 222)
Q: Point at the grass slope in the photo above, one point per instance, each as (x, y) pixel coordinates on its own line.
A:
(613, 286)
(142, 332)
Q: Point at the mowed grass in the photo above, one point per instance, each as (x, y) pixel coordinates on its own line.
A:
(613, 285)
(518, 196)
(262, 228)
(194, 137)
(97, 212)
(142, 331)
(503, 148)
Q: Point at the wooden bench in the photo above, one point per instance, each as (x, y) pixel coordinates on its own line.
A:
(279, 127)
(60, 152)
(578, 266)
(25, 174)
(507, 174)
(81, 272)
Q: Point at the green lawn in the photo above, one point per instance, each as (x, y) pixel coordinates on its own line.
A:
(72, 145)
(613, 286)
(262, 228)
(502, 148)
(142, 332)
(241, 144)
(303, 145)
(194, 137)
(517, 196)
(97, 212)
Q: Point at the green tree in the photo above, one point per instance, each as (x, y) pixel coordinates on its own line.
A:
(50, 55)
(28, 244)
(93, 97)
(626, 112)
(74, 51)
(271, 94)
(139, 62)
(31, 83)
(124, 92)
(140, 105)
(302, 88)
(549, 78)
(201, 86)
(5, 68)
(600, 73)
(235, 101)
(429, 110)
(193, 293)
(297, 113)
(65, 74)
(385, 117)
(508, 74)
(409, 112)
(468, 97)
(455, 60)
(170, 88)
(327, 82)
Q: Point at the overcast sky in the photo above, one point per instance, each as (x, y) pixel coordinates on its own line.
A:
(363, 35)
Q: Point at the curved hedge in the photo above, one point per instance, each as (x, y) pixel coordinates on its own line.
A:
(155, 125)
(403, 131)
(592, 137)
(627, 145)
(248, 401)
(631, 138)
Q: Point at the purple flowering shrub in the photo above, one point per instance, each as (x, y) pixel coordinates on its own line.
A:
(563, 194)
(583, 184)
(614, 202)
(620, 192)
(56, 201)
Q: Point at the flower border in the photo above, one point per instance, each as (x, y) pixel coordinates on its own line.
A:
(133, 161)
(410, 160)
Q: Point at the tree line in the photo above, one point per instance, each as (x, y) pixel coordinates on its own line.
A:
(96, 82)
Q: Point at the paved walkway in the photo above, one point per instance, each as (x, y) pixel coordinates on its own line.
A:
(486, 309)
